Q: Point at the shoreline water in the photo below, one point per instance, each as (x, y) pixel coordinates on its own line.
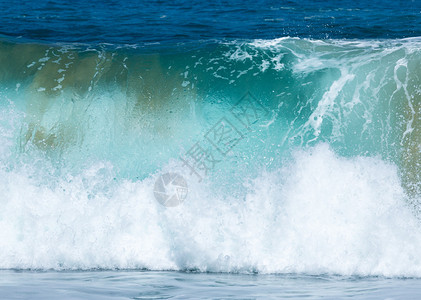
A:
(180, 285)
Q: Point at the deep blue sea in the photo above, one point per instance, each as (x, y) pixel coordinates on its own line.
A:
(180, 21)
(210, 150)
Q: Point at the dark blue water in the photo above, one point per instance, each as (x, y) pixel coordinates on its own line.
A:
(180, 20)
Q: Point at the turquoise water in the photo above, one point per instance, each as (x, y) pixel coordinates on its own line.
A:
(321, 177)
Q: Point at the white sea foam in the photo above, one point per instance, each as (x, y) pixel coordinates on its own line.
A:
(320, 213)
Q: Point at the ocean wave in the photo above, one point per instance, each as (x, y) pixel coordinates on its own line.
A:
(322, 177)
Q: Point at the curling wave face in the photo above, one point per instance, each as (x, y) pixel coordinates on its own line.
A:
(327, 179)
